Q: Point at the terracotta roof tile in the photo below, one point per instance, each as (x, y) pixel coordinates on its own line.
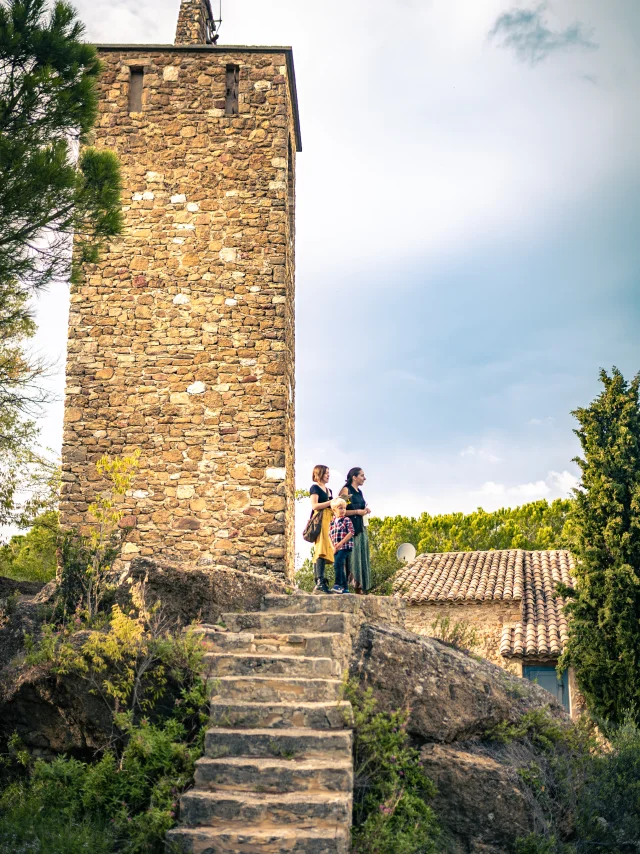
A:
(509, 574)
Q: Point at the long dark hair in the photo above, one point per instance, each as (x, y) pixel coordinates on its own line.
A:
(354, 472)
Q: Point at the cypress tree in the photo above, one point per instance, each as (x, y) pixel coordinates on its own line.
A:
(604, 625)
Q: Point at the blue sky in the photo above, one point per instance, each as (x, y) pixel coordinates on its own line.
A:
(467, 219)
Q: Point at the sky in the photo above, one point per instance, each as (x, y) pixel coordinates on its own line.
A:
(467, 243)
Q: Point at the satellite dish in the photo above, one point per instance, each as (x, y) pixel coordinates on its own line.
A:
(406, 552)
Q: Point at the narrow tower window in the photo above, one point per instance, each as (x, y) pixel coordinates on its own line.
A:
(135, 90)
(231, 95)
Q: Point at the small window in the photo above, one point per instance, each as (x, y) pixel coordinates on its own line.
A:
(231, 93)
(546, 676)
(136, 83)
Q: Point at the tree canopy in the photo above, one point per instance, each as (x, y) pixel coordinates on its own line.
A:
(49, 194)
(537, 525)
(48, 106)
(604, 626)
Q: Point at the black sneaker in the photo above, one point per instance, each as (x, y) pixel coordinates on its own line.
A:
(321, 587)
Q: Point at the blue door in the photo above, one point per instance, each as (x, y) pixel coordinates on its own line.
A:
(546, 676)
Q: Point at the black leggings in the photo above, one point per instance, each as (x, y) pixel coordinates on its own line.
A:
(319, 567)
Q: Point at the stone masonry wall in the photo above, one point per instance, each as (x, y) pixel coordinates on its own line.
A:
(181, 340)
(487, 618)
(192, 22)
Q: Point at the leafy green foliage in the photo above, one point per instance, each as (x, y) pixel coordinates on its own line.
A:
(130, 660)
(609, 799)
(48, 106)
(459, 634)
(151, 677)
(124, 802)
(589, 792)
(537, 726)
(390, 810)
(537, 525)
(87, 559)
(31, 822)
(604, 625)
(23, 470)
(534, 844)
(32, 556)
(49, 197)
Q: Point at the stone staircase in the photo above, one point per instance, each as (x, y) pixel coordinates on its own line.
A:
(277, 772)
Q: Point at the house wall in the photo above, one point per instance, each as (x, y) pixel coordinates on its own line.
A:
(487, 618)
(181, 339)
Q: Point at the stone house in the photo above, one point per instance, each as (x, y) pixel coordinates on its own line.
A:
(508, 596)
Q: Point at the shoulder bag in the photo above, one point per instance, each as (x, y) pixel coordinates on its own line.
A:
(313, 527)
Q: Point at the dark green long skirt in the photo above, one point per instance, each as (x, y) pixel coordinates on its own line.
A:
(359, 562)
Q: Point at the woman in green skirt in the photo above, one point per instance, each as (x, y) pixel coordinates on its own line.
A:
(357, 509)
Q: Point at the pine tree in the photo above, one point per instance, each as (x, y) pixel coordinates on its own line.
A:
(604, 642)
(48, 106)
(53, 188)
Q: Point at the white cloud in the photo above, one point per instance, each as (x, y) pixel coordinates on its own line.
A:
(522, 491)
(555, 485)
(564, 482)
(481, 453)
(537, 422)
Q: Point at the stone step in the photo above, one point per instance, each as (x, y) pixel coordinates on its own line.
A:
(240, 664)
(321, 644)
(371, 608)
(323, 773)
(260, 622)
(314, 809)
(274, 689)
(292, 743)
(227, 641)
(278, 715)
(288, 839)
(311, 604)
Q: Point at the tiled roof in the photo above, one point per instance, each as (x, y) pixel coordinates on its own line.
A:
(509, 574)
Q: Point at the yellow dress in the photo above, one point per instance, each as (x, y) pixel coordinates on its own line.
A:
(323, 546)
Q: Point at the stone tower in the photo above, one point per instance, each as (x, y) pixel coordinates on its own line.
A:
(181, 339)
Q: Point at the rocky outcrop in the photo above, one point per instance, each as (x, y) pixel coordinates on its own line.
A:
(53, 713)
(21, 613)
(450, 695)
(202, 595)
(10, 587)
(480, 801)
(453, 699)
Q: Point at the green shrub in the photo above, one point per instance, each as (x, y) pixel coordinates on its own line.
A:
(124, 802)
(588, 791)
(390, 810)
(608, 816)
(535, 844)
(151, 677)
(459, 634)
(31, 824)
(536, 726)
(32, 556)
